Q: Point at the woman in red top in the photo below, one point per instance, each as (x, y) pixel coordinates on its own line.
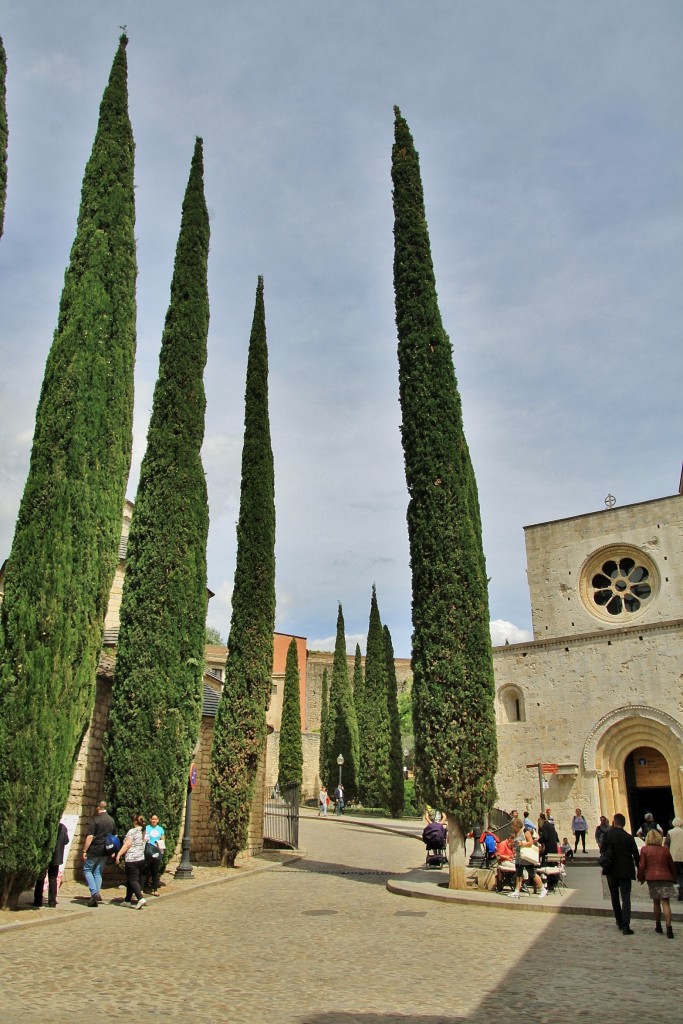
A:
(657, 869)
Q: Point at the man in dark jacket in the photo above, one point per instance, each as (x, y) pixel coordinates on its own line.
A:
(52, 870)
(619, 857)
(94, 854)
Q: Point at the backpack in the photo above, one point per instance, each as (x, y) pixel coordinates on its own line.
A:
(152, 853)
(112, 844)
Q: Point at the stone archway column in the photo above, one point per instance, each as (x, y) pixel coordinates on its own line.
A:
(604, 797)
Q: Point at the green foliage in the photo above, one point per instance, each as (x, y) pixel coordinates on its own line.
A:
(342, 726)
(358, 688)
(405, 711)
(157, 693)
(411, 808)
(324, 705)
(3, 135)
(240, 731)
(396, 794)
(291, 759)
(375, 783)
(212, 636)
(453, 688)
(65, 547)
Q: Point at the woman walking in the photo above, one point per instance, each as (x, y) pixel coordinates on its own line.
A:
(579, 828)
(133, 850)
(656, 867)
(524, 841)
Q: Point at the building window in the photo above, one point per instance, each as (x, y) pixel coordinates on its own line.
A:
(618, 582)
(273, 689)
(512, 702)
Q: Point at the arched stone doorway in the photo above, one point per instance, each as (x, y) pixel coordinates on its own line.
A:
(609, 753)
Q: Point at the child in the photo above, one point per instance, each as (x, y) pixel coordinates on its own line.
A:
(566, 849)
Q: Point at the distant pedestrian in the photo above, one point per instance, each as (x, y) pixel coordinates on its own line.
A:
(94, 855)
(566, 849)
(603, 826)
(579, 828)
(648, 824)
(523, 839)
(548, 837)
(133, 850)
(52, 870)
(657, 869)
(674, 841)
(155, 835)
(323, 800)
(339, 798)
(620, 860)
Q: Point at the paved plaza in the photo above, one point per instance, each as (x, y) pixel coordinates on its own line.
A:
(321, 941)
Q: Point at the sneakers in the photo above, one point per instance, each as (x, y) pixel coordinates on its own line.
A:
(543, 893)
(126, 903)
(141, 903)
(93, 901)
(513, 895)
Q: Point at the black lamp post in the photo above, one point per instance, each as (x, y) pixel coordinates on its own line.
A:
(184, 869)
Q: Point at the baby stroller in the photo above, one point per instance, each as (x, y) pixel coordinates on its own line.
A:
(435, 836)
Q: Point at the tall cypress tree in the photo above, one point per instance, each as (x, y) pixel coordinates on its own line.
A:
(157, 692)
(374, 728)
(324, 705)
(396, 787)
(65, 546)
(453, 691)
(3, 135)
(342, 724)
(291, 757)
(240, 730)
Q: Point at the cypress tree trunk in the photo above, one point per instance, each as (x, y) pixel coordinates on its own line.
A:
(342, 724)
(374, 729)
(65, 547)
(453, 691)
(240, 731)
(157, 693)
(3, 135)
(322, 753)
(396, 786)
(291, 759)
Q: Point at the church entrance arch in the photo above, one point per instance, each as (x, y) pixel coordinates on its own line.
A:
(636, 753)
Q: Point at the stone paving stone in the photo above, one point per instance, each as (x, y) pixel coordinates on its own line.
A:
(266, 949)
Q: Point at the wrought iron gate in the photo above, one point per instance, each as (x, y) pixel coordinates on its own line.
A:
(281, 818)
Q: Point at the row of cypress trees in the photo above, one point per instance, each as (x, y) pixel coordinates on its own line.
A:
(63, 555)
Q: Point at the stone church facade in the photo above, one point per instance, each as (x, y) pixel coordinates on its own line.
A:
(597, 695)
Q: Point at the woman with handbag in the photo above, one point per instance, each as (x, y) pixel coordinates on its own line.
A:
(656, 867)
(133, 850)
(526, 856)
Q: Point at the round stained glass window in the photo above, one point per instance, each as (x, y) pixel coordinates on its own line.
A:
(618, 582)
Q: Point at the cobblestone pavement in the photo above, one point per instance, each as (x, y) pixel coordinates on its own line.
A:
(321, 941)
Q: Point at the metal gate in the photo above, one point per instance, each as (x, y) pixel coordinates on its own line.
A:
(281, 818)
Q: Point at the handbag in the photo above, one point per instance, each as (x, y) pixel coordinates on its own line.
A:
(529, 855)
(606, 860)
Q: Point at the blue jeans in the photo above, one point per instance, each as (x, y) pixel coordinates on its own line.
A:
(92, 869)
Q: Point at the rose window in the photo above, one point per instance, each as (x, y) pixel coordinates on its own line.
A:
(620, 585)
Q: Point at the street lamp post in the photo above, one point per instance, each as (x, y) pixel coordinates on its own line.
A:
(340, 762)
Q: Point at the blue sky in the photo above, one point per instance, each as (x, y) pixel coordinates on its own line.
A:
(552, 161)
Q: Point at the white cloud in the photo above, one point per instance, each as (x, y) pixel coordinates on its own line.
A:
(502, 631)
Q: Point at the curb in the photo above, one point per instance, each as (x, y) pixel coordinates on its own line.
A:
(497, 901)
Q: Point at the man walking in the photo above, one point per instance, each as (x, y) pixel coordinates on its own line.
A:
(619, 857)
(94, 856)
